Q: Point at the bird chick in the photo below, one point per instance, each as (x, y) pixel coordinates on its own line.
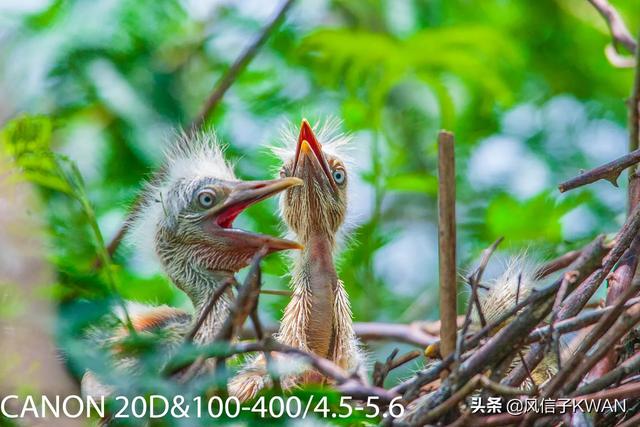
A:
(496, 296)
(186, 218)
(318, 318)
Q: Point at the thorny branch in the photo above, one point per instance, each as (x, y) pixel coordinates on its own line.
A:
(609, 171)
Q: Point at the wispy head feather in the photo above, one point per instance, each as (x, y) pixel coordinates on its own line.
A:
(188, 161)
(333, 141)
(513, 285)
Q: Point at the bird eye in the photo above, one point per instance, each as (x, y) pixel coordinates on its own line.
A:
(339, 176)
(282, 173)
(206, 198)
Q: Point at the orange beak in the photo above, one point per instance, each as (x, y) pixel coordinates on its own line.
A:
(310, 149)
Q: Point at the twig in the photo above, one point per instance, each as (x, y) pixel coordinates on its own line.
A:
(623, 324)
(207, 309)
(634, 130)
(619, 282)
(505, 390)
(609, 171)
(563, 261)
(381, 370)
(447, 241)
(574, 323)
(474, 280)
(631, 422)
(441, 410)
(629, 366)
(408, 334)
(619, 31)
(616, 59)
(245, 304)
(239, 65)
(214, 99)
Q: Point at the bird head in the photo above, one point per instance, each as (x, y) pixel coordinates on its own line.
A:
(319, 206)
(189, 210)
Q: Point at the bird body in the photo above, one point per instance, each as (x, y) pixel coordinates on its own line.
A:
(513, 285)
(318, 318)
(186, 218)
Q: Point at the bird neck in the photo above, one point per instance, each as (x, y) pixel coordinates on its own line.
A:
(315, 281)
(200, 285)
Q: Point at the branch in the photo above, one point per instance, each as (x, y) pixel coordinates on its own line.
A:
(609, 171)
(447, 241)
(628, 367)
(474, 280)
(619, 282)
(239, 65)
(381, 370)
(619, 31)
(207, 309)
(408, 334)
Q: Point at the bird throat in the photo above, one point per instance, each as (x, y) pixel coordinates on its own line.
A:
(320, 280)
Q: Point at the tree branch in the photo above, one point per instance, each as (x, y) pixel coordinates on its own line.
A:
(618, 28)
(447, 242)
(609, 171)
(239, 65)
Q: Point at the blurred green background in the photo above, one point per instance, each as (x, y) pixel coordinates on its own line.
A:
(524, 85)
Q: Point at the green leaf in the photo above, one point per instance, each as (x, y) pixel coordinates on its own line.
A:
(413, 182)
(27, 140)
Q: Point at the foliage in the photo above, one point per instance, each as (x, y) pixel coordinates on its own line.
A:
(94, 90)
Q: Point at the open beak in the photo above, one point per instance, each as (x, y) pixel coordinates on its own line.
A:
(309, 157)
(244, 194)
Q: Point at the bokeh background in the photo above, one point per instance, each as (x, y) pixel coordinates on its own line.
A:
(524, 85)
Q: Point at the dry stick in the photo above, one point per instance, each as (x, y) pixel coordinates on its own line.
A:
(474, 280)
(619, 282)
(574, 323)
(563, 261)
(229, 77)
(631, 422)
(447, 241)
(623, 324)
(395, 332)
(207, 309)
(238, 313)
(619, 31)
(259, 331)
(240, 64)
(441, 410)
(346, 384)
(609, 171)
(605, 334)
(413, 333)
(381, 371)
(276, 292)
(246, 303)
(628, 367)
